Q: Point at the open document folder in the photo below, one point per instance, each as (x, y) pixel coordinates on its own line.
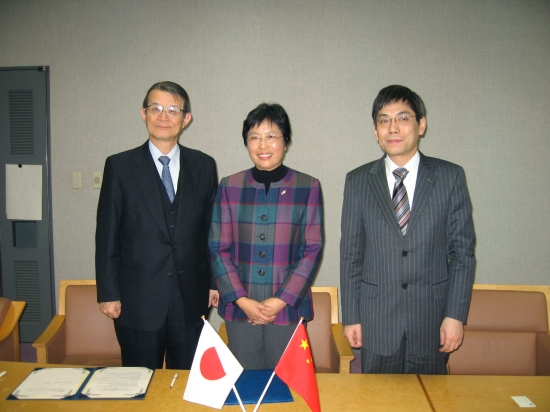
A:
(85, 383)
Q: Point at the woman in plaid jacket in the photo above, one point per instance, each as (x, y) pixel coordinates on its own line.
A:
(266, 240)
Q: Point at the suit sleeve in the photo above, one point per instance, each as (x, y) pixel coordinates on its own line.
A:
(107, 237)
(352, 249)
(208, 219)
(460, 250)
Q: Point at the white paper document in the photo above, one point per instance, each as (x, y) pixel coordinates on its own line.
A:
(114, 383)
(85, 383)
(51, 383)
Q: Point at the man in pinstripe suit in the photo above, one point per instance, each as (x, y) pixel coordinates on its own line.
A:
(406, 285)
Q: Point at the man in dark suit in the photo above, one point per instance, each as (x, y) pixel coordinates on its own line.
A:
(407, 248)
(153, 217)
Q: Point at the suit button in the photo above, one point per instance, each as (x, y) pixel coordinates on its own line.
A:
(404, 286)
(172, 226)
(264, 217)
(172, 212)
(261, 272)
(169, 273)
(404, 253)
(261, 254)
(262, 236)
(173, 247)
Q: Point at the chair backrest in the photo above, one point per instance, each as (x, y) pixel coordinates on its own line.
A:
(7, 345)
(87, 330)
(529, 288)
(5, 304)
(325, 312)
(500, 334)
(10, 313)
(333, 292)
(507, 311)
(63, 291)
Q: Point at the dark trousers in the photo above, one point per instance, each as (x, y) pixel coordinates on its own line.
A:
(176, 339)
(403, 361)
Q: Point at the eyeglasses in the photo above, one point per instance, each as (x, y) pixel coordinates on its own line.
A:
(403, 119)
(157, 109)
(269, 139)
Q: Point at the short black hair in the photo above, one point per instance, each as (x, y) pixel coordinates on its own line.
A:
(396, 93)
(274, 113)
(174, 89)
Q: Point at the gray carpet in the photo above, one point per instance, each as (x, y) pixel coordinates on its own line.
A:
(28, 353)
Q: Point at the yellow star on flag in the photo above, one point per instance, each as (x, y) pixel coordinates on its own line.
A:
(304, 344)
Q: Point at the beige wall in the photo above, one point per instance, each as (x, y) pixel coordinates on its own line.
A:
(480, 66)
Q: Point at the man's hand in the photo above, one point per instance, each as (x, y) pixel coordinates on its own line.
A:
(255, 311)
(450, 334)
(111, 309)
(213, 298)
(275, 305)
(354, 336)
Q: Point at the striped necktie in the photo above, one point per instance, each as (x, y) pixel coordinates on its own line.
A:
(400, 200)
(166, 177)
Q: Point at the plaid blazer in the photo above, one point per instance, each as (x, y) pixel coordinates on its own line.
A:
(258, 240)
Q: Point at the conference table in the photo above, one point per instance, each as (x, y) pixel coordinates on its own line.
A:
(337, 392)
(485, 393)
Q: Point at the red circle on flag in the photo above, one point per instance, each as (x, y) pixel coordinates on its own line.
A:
(211, 366)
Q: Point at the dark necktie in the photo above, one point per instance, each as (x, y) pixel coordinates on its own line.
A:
(400, 200)
(166, 177)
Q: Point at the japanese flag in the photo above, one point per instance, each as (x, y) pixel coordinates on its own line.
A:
(214, 371)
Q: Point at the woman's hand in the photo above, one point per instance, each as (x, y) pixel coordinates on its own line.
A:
(257, 313)
(275, 304)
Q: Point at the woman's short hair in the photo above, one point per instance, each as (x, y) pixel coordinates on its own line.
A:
(272, 112)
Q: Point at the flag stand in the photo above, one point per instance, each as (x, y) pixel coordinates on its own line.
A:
(236, 392)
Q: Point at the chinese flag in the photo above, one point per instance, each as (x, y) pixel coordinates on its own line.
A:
(296, 368)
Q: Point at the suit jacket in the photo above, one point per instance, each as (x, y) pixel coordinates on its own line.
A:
(392, 284)
(136, 258)
(272, 241)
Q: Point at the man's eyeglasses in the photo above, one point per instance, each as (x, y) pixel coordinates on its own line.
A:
(157, 109)
(269, 139)
(403, 119)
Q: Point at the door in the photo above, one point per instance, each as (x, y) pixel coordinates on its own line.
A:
(25, 196)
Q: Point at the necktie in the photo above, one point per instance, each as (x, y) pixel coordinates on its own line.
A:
(166, 177)
(400, 200)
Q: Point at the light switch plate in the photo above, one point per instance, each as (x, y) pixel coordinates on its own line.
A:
(77, 180)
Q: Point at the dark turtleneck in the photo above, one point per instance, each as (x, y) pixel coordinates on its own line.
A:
(269, 176)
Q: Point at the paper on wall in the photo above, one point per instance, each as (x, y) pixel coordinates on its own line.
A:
(24, 192)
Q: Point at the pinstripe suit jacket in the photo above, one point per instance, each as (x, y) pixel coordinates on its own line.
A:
(392, 284)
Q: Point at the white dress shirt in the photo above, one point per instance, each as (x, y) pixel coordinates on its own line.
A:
(174, 164)
(410, 179)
